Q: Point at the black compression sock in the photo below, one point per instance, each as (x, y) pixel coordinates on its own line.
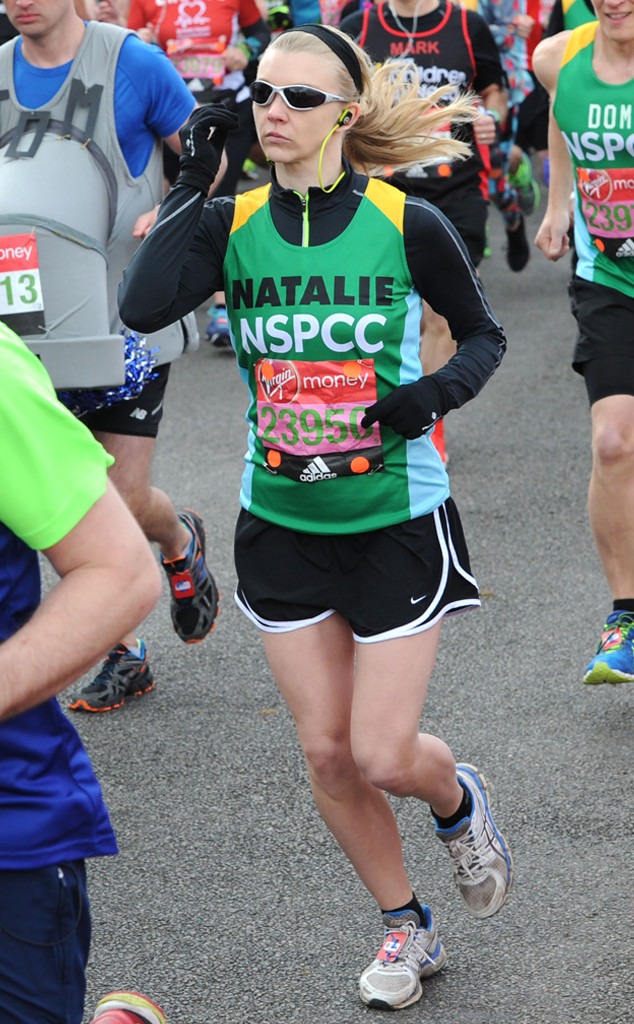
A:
(412, 905)
(464, 811)
(625, 604)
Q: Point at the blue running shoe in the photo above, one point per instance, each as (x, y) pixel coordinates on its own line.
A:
(218, 327)
(411, 950)
(482, 862)
(614, 660)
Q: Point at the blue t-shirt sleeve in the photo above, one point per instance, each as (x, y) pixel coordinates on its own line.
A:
(151, 99)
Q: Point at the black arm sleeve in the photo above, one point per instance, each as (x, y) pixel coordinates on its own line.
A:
(258, 30)
(447, 280)
(488, 66)
(179, 264)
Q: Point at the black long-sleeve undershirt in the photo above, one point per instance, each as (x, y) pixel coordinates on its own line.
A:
(180, 264)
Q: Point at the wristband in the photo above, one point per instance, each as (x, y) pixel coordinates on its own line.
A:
(250, 47)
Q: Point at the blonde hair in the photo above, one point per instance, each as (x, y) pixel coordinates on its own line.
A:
(391, 107)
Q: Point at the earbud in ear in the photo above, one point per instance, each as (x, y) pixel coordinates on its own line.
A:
(346, 117)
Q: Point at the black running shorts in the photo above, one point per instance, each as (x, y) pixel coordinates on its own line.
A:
(386, 583)
(604, 352)
(532, 120)
(138, 416)
(468, 213)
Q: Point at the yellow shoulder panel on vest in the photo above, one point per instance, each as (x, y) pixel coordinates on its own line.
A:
(579, 38)
(248, 203)
(389, 200)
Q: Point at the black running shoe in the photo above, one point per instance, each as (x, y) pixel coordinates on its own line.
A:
(518, 252)
(194, 592)
(123, 674)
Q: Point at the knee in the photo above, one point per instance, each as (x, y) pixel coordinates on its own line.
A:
(612, 446)
(388, 767)
(330, 763)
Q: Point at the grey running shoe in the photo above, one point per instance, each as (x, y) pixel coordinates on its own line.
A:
(411, 950)
(122, 675)
(194, 593)
(482, 862)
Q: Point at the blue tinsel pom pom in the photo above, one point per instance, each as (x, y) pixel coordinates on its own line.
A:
(139, 362)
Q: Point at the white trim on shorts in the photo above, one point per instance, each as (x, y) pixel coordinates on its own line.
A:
(271, 625)
(427, 620)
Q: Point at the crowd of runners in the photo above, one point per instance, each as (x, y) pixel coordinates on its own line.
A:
(125, 124)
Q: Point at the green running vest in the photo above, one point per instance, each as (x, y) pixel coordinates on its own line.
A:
(576, 13)
(597, 121)
(320, 332)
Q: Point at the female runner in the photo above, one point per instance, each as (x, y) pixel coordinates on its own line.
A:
(349, 550)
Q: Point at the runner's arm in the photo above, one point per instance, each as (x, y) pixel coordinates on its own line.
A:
(110, 582)
(552, 236)
(445, 277)
(179, 264)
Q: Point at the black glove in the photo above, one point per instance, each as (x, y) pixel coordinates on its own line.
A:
(202, 147)
(410, 410)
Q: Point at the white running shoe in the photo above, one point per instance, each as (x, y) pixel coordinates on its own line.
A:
(482, 862)
(411, 950)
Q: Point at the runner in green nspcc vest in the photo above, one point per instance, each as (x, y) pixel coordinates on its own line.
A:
(349, 549)
(588, 73)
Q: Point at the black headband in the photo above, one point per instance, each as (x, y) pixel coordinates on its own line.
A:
(339, 47)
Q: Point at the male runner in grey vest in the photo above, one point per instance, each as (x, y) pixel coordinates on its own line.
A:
(84, 108)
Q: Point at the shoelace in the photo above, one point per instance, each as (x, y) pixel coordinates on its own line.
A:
(624, 622)
(470, 857)
(414, 947)
(104, 675)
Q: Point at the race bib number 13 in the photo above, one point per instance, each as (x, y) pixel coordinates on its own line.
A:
(21, 303)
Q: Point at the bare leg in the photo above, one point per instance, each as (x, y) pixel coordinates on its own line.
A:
(611, 490)
(150, 506)
(358, 740)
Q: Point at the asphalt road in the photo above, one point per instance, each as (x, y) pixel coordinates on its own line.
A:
(229, 902)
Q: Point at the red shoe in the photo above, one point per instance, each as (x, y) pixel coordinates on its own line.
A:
(438, 441)
(127, 1008)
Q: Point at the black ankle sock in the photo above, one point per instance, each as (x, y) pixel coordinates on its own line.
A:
(463, 811)
(412, 905)
(625, 604)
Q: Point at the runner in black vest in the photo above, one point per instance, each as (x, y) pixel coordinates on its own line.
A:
(449, 45)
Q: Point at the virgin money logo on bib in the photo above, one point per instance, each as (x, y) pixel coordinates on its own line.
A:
(595, 184)
(278, 379)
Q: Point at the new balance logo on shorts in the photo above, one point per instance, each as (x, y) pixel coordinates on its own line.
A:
(316, 470)
(627, 249)
(138, 414)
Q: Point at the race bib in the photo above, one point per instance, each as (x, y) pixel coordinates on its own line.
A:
(195, 65)
(309, 418)
(437, 166)
(21, 302)
(607, 204)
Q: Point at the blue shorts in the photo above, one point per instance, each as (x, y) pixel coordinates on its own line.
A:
(44, 943)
